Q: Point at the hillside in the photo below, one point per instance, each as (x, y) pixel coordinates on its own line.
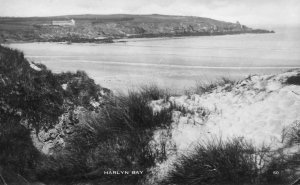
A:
(105, 28)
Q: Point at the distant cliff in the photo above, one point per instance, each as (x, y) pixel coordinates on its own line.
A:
(105, 28)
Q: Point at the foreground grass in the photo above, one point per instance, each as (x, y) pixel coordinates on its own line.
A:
(233, 162)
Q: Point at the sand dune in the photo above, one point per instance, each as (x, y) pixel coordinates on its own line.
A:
(258, 108)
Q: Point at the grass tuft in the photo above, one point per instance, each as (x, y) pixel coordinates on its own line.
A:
(294, 80)
(215, 162)
(153, 92)
(233, 162)
(206, 87)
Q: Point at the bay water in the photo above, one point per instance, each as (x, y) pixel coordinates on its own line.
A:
(172, 63)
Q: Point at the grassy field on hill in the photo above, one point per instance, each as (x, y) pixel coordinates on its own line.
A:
(104, 28)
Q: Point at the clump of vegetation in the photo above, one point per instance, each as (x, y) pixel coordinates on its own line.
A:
(294, 80)
(216, 162)
(80, 89)
(153, 92)
(201, 111)
(205, 87)
(233, 162)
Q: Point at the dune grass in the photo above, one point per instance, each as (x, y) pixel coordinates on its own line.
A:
(116, 138)
(216, 162)
(202, 87)
(294, 80)
(233, 162)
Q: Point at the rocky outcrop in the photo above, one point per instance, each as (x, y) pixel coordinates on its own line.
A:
(52, 140)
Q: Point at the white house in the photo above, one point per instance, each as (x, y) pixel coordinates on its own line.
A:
(64, 23)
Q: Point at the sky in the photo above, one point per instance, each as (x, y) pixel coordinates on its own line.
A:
(248, 12)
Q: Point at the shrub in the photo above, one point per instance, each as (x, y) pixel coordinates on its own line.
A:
(80, 88)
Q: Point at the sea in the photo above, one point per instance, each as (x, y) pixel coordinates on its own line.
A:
(174, 63)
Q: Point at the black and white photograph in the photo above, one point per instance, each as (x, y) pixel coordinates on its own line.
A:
(149, 92)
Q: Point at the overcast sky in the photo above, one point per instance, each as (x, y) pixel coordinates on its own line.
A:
(248, 12)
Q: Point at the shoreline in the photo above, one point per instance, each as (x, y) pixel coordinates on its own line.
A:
(120, 39)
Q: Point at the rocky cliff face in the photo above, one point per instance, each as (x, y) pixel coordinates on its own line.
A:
(102, 28)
